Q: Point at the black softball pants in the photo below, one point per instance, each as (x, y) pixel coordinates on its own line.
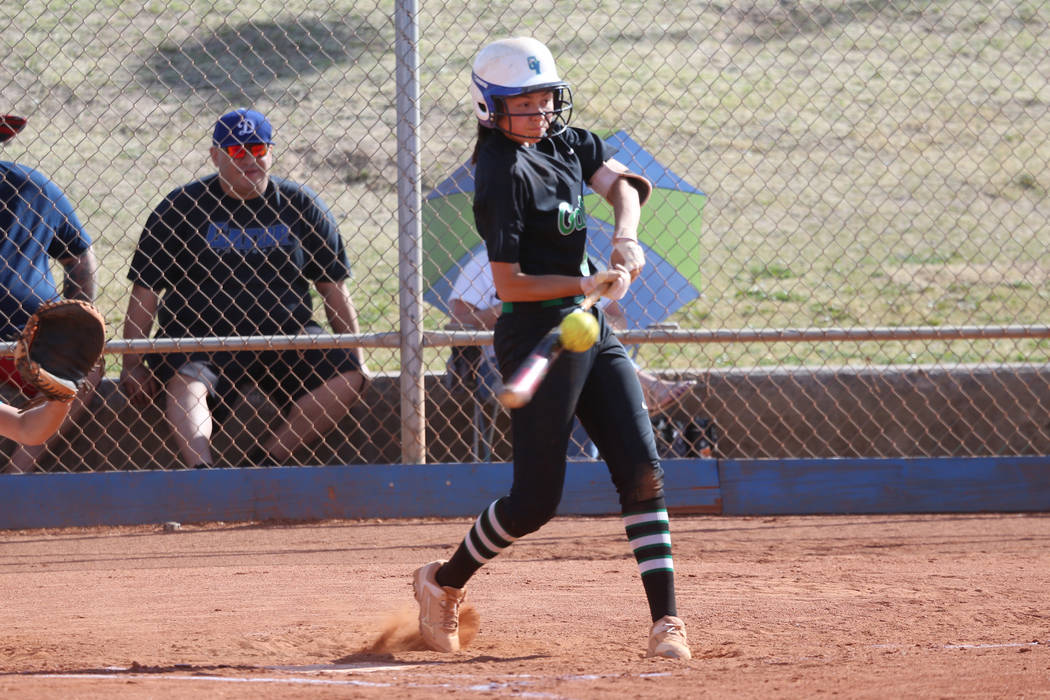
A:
(600, 386)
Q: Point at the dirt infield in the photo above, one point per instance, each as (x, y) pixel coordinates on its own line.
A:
(872, 606)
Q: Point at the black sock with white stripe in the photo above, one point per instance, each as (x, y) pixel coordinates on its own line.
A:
(649, 532)
(486, 539)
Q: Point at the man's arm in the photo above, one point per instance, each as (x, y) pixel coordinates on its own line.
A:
(340, 311)
(135, 378)
(80, 275)
(466, 315)
(142, 307)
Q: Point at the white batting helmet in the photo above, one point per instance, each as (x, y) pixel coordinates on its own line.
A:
(517, 66)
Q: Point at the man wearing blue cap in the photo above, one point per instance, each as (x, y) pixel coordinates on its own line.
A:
(235, 253)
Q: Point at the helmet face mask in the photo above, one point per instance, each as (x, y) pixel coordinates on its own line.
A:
(514, 67)
(557, 117)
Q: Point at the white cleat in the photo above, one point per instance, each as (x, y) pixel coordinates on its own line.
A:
(667, 639)
(438, 608)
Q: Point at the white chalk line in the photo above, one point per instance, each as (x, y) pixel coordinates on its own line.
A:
(787, 661)
(218, 679)
(343, 668)
(516, 685)
(1004, 645)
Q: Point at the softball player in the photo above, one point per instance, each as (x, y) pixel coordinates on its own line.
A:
(528, 206)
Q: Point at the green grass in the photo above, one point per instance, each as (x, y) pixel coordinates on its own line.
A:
(866, 163)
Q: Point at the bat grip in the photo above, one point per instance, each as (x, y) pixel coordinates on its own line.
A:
(596, 294)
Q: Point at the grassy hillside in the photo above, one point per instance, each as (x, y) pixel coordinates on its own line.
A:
(866, 162)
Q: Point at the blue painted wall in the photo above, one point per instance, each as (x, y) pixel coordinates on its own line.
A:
(918, 485)
(310, 493)
(730, 487)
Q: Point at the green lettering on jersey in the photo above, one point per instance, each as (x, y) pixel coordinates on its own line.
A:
(570, 219)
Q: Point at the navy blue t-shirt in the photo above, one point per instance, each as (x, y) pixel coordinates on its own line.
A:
(38, 224)
(528, 201)
(226, 266)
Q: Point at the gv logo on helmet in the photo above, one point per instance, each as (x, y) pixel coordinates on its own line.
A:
(571, 219)
(534, 64)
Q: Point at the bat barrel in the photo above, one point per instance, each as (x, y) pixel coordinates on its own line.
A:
(513, 399)
(523, 385)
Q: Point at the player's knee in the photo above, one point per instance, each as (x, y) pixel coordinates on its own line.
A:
(356, 380)
(523, 516)
(532, 522)
(647, 484)
(194, 376)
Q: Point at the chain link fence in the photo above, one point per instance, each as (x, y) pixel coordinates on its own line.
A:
(848, 250)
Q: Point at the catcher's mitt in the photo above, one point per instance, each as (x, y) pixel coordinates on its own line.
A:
(60, 345)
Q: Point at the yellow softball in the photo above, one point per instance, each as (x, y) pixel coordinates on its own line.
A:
(579, 331)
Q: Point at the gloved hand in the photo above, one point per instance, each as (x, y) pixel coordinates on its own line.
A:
(58, 348)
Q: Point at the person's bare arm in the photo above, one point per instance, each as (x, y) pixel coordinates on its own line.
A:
(514, 285)
(466, 315)
(627, 192)
(34, 426)
(135, 379)
(80, 276)
(627, 214)
(142, 308)
(340, 310)
(627, 209)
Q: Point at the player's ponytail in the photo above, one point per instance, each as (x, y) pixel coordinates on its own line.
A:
(483, 134)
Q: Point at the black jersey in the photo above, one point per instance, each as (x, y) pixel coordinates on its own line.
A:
(227, 266)
(528, 200)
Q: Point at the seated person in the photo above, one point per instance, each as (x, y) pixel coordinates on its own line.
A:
(235, 253)
(39, 225)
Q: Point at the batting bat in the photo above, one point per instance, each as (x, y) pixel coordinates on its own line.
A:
(522, 386)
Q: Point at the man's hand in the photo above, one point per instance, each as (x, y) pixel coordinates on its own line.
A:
(137, 381)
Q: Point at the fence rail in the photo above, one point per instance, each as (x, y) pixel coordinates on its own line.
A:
(445, 339)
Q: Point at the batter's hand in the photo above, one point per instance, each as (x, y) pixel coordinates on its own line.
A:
(628, 253)
(618, 278)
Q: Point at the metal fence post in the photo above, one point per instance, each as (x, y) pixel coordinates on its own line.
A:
(413, 409)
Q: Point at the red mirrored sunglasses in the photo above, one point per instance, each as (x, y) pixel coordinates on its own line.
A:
(238, 151)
